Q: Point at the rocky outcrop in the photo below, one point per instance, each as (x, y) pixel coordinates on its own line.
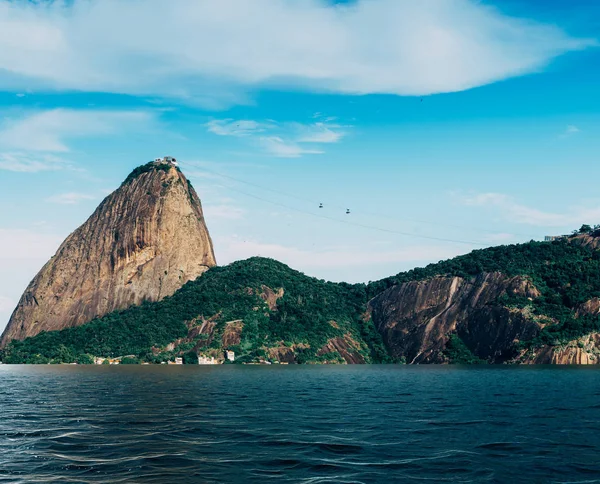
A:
(346, 346)
(144, 241)
(232, 334)
(270, 296)
(591, 241)
(588, 308)
(283, 354)
(582, 351)
(417, 318)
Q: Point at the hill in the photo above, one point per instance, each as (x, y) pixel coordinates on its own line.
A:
(536, 302)
(259, 308)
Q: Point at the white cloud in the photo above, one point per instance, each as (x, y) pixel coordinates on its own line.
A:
(224, 211)
(6, 304)
(326, 261)
(27, 244)
(22, 254)
(31, 163)
(71, 198)
(276, 146)
(212, 51)
(31, 141)
(516, 212)
(48, 130)
(320, 133)
(570, 130)
(480, 199)
(231, 127)
(283, 140)
(499, 238)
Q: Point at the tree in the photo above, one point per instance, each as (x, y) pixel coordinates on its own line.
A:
(190, 358)
(84, 360)
(585, 229)
(130, 360)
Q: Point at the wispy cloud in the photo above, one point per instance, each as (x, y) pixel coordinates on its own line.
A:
(223, 211)
(231, 127)
(234, 248)
(276, 146)
(320, 133)
(6, 304)
(516, 212)
(22, 254)
(27, 244)
(39, 141)
(570, 130)
(283, 140)
(49, 130)
(31, 163)
(499, 237)
(218, 50)
(71, 198)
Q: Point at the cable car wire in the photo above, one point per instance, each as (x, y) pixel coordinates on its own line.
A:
(357, 224)
(396, 219)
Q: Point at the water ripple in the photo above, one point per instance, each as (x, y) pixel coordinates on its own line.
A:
(298, 424)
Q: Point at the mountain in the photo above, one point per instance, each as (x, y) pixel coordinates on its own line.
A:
(126, 284)
(144, 242)
(529, 303)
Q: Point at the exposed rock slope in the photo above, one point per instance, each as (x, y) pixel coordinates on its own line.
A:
(142, 243)
(582, 351)
(416, 318)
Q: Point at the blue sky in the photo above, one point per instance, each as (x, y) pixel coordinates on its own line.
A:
(443, 125)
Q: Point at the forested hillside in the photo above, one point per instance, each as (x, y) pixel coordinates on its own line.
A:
(265, 311)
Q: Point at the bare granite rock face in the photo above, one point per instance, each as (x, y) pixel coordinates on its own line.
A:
(581, 351)
(145, 240)
(591, 241)
(417, 318)
(588, 308)
(347, 347)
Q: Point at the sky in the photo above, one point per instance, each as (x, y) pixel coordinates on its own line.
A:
(444, 126)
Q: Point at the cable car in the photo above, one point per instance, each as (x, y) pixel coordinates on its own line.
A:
(347, 211)
(320, 205)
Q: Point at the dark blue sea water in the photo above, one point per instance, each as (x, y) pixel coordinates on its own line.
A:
(369, 424)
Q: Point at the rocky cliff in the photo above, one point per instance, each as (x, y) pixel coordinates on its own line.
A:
(416, 319)
(145, 240)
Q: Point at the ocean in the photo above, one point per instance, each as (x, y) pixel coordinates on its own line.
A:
(301, 424)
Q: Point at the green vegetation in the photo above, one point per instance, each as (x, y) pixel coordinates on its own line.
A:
(457, 352)
(145, 169)
(190, 358)
(565, 272)
(309, 312)
(312, 311)
(130, 360)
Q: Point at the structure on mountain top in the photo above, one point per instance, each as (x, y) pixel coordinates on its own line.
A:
(170, 160)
